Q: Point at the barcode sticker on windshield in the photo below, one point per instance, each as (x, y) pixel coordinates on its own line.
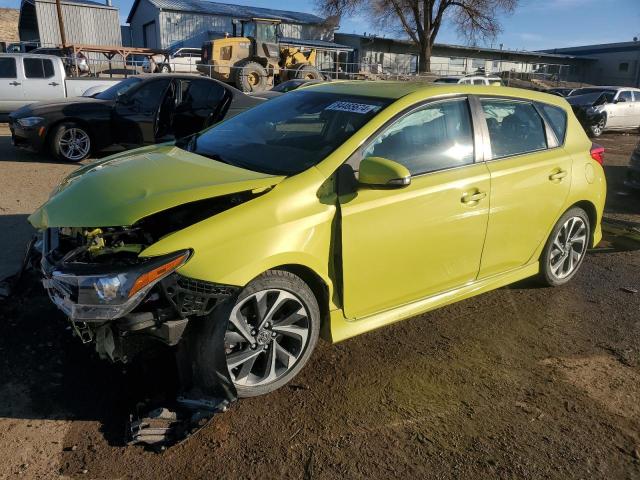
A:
(361, 108)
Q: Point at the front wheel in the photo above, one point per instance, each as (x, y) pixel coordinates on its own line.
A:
(272, 329)
(70, 142)
(566, 248)
(598, 128)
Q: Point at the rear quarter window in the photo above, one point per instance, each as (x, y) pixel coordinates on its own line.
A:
(557, 119)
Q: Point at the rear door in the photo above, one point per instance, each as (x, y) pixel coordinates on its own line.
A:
(42, 82)
(137, 115)
(530, 180)
(198, 106)
(11, 93)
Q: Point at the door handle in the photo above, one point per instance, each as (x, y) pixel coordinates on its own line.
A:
(558, 175)
(54, 84)
(15, 84)
(473, 197)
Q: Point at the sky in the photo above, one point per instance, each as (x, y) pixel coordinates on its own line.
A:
(535, 25)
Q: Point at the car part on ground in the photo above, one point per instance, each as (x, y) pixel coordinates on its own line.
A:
(251, 238)
(136, 111)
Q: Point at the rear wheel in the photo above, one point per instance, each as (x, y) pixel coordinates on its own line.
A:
(308, 72)
(272, 329)
(70, 142)
(250, 77)
(566, 248)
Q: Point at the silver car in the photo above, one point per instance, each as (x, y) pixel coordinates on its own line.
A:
(181, 60)
(618, 110)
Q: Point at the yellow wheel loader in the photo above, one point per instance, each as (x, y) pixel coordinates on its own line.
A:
(255, 60)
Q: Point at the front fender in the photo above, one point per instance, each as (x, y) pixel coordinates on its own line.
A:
(289, 225)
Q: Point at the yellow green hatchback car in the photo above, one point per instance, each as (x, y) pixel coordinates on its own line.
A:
(329, 211)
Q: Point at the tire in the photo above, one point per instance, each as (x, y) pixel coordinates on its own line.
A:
(308, 72)
(250, 77)
(294, 310)
(597, 129)
(70, 142)
(556, 268)
(163, 68)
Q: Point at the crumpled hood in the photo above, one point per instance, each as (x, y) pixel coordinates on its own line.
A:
(122, 189)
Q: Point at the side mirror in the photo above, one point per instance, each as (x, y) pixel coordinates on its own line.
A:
(378, 172)
(620, 100)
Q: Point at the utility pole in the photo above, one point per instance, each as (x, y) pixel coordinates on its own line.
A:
(63, 37)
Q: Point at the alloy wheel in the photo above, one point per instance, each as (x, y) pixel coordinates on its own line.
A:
(267, 334)
(569, 246)
(75, 144)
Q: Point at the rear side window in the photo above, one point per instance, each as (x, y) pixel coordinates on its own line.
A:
(201, 93)
(38, 68)
(435, 137)
(8, 68)
(557, 118)
(515, 127)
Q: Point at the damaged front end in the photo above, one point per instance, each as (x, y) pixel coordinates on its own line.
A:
(115, 297)
(126, 304)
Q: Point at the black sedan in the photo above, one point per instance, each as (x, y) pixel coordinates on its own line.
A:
(137, 111)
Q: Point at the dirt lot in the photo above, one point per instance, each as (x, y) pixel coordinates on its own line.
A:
(523, 382)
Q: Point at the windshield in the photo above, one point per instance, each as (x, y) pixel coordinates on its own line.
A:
(119, 88)
(288, 134)
(596, 98)
(584, 91)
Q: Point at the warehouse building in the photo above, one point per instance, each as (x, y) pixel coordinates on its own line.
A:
(189, 23)
(85, 22)
(616, 63)
(392, 56)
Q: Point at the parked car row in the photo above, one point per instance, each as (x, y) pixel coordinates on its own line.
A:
(331, 210)
(137, 111)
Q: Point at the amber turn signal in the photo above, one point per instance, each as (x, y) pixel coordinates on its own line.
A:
(157, 273)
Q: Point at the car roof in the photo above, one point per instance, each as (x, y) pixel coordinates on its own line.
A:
(398, 89)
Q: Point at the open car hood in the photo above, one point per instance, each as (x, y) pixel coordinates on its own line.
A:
(122, 189)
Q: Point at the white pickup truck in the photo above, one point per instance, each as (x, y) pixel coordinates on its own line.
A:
(28, 78)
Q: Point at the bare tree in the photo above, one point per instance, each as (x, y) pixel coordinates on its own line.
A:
(421, 19)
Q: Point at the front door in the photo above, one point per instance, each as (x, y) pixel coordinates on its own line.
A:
(137, 115)
(405, 244)
(529, 182)
(620, 114)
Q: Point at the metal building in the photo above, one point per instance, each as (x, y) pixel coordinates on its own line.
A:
(85, 22)
(189, 23)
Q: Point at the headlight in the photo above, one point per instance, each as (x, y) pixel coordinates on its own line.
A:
(106, 296)
(29, 121)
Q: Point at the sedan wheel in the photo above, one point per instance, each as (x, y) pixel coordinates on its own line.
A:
(268, 333)
(71, 142)
(598, 128)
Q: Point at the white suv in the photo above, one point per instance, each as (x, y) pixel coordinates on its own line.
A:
(471, 80)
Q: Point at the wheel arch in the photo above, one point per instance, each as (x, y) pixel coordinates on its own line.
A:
(592, 213)
(317, 285)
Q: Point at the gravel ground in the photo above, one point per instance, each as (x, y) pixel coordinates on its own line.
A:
(522, 382)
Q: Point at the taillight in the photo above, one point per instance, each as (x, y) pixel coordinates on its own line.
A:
(597, 153)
